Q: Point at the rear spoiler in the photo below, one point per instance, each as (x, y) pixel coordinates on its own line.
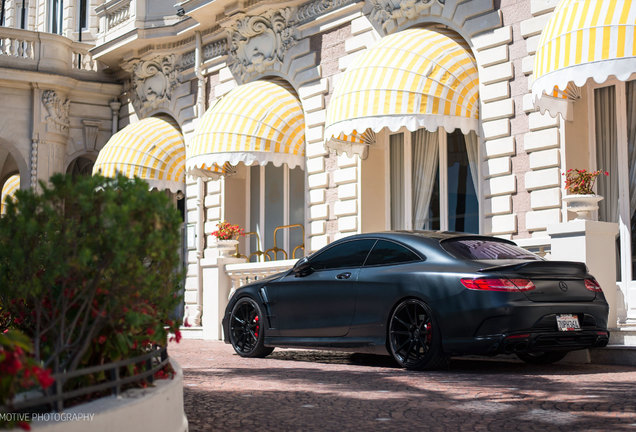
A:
(562, 268)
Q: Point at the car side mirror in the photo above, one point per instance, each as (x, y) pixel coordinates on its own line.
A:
(302, 267)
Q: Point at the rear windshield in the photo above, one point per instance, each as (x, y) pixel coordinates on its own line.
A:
(479, 249)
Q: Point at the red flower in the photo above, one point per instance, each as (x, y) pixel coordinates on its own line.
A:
(101, 339)
(150, 332)
(44, 378)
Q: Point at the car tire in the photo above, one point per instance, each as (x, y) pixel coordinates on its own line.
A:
(542, 358)
(414, 337)
(247, 335)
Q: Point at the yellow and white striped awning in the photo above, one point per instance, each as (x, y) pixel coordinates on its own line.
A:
(583, 39)
(152, 149)
(8, 190)
(417, 78)
(259, 122)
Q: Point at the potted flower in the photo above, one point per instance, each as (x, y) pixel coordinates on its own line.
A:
(227, 237)
(579, 183)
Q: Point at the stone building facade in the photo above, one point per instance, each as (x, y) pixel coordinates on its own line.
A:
(304, 155)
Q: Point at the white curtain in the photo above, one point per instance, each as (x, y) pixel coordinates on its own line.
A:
(631, 144)
(396, 154)
(425, 160)
(606, 152)
(472, 149)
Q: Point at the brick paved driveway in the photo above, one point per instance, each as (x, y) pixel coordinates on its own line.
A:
(325, 391)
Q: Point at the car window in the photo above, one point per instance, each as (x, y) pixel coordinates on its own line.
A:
(388, 252)
(483, 249)
(347, 254)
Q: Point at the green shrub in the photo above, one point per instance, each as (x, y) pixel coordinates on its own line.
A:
(88, 269)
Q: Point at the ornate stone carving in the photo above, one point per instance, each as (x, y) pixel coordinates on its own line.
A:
(385, 12)
(258, 43)
(312, 9)
(152, 82)
(91, 131)
(57, 109)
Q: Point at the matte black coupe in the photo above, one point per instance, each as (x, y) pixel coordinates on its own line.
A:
(421, 297)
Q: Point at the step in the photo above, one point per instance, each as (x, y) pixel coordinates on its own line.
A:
(625, 335)
(614, 355)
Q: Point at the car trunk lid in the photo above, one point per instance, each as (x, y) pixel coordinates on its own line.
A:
(554, 281)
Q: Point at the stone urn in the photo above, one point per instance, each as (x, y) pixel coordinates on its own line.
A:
(583, 205)
(226, 248)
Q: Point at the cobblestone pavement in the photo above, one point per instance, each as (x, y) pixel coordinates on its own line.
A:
(298, 390)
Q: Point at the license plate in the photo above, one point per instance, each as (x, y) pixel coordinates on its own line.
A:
(568, 322)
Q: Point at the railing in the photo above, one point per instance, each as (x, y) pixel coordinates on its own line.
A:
(113, 13)
(241, 274)
(83, 60)
(17, 43)
(150, 363)
(539, 245)
(48, 53)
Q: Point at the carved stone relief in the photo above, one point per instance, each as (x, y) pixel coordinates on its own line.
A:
(152, 82)
(91, 130)
(57, 108)
(258, 43)
(385, 13)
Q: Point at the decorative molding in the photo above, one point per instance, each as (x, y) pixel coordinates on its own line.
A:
(91, 130)
(258, 43)
(34, 161)
(57, 109)
(213, 49)
(309, 11)
(152, 82)
(386, 13)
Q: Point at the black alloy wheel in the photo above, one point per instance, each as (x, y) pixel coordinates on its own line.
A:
(246, 329)
(414, 338)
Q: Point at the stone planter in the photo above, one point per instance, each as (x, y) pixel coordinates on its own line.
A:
(226, 248)
(158, 408)
(582, 205)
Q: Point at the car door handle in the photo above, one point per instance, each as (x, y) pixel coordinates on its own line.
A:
(345, 275)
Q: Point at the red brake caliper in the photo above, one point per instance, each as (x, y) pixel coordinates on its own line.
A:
(257, 326)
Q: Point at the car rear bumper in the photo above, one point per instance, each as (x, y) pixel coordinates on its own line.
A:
(524, 342)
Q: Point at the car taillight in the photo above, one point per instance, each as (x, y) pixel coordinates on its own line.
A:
(487, 284)
(592, 285)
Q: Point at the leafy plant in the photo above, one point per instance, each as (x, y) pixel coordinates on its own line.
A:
(580, 181)
(88, 269)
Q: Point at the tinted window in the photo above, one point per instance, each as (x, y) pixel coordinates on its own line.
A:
(386, 252)
(477, 249)
(348, 254)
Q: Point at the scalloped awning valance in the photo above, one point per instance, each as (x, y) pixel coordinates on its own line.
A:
(8, 190)
(254, 123)
(417, 78)
(583, 39)
(152, 149)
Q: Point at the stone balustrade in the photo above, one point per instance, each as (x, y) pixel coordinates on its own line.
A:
(538, 245)
(244, 273)
(48, 53)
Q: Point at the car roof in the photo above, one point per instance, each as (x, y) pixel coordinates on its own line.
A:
(415, 234)
(418, 239)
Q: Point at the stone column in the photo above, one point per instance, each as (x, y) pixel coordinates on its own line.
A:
(115, 105)
(54, 126)
(593, 243)
(215, 296)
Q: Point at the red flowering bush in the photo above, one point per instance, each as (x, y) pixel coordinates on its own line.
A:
(227, 231)
(19, 371)
(88, 270)
(580, 181)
